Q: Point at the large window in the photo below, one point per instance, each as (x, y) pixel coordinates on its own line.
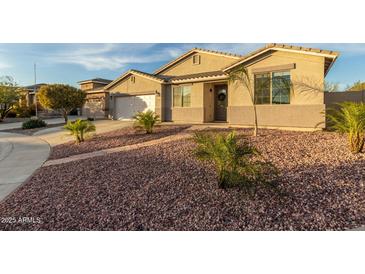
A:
(182, 96)
(272, 88)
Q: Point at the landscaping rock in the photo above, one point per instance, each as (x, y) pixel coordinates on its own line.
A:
(321, 186)
(117, 138)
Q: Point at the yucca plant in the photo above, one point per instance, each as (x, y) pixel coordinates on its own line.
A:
(79, 129)
(234, 162)
(349, 119)
(146, 120)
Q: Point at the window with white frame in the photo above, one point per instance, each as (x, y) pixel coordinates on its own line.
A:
(182, 96)
(272, 88)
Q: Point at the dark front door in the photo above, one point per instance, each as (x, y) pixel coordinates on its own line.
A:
(220, 102)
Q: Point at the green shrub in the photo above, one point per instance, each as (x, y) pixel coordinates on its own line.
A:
(236, 164)
(349, 119)
(34, 123)
(146, 120)
(79, 129)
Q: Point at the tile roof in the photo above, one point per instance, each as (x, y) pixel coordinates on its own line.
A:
(198, 75)
(37, 86)
(276, 46)
(100, 80)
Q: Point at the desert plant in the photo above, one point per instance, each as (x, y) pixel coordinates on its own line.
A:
(236, 164)
(146, 120)
(33, 123)
(349, 119)
(79, 129)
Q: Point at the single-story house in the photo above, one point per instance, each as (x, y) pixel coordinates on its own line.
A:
(97, 100)
(195, 88)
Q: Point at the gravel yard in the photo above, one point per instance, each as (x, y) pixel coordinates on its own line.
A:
(321, 187)
(117, 138)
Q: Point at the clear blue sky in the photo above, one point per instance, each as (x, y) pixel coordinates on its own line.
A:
(70, 63)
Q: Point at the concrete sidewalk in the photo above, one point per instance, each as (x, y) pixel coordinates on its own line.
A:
(20, 156)
(51, 121)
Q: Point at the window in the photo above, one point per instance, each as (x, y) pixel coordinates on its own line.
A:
(196, 59)
(133, 79)
(272, 88)
(182, 96)
(280, 87)
(262, 89)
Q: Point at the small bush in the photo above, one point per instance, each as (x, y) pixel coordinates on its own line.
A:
(146, 120)
(236, 164)
(349, 119)
(79, 129)
(34, 123)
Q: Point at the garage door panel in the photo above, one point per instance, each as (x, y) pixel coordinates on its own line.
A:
(127, 107)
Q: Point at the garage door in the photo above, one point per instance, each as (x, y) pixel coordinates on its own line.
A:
(127, 107)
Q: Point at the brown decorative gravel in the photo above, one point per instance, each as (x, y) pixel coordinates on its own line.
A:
(121, 137)
(321, 187)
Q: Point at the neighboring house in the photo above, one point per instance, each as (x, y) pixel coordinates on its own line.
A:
(30, 93)
(195, 88)
(97, 101)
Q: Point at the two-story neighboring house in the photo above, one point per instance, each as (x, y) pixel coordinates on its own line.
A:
(96, 105)
(195, 88)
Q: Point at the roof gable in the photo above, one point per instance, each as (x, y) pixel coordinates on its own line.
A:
(174, 62)
(135, 72)
(330, 56)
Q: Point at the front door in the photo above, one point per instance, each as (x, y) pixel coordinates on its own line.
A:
(220, 102)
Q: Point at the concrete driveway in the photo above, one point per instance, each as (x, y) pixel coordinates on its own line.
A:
(21, 155)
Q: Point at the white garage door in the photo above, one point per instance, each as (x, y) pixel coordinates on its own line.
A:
(127, 107)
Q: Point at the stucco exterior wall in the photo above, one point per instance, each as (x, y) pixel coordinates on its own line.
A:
(194, 113)
(307, 97)
(307, 78)
(289, 116)
(96, 105)
(208, 102)
(91, 85)
(208, 62)
(140, 86)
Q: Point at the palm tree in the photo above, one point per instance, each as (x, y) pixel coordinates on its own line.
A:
(241, 75)
(350, 119)
(146, 120)
(79, 128)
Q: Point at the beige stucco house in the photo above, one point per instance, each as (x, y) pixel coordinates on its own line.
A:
(97, 102)
(195, 88)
